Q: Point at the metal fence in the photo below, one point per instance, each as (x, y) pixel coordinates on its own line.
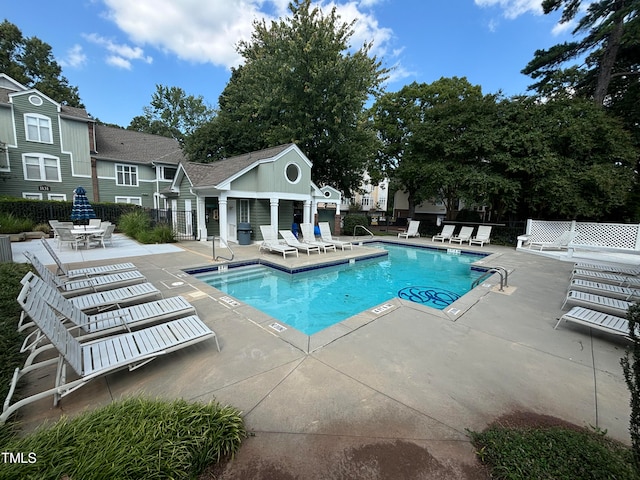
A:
(183, 222)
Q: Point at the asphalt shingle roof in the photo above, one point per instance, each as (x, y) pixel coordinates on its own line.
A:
(210, 174)
(136, 147)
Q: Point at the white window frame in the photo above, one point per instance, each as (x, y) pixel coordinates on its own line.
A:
(124, 199)
(244, 211)
(42, 158)
(127, 172)
(31, 196)
(58, 197)
(162, 174)
(43, 123)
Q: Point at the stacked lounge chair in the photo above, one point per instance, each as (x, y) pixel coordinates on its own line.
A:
(270, 242)
(325, 234)
(309, 238)
(601, 298)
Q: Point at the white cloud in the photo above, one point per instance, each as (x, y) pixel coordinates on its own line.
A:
(208, 32)
(561, 28)
(121, 54)
(513, 8)
(75, 58)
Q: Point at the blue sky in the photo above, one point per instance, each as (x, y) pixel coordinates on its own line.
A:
(117, 51)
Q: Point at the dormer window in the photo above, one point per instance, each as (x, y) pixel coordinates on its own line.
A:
(38, 128)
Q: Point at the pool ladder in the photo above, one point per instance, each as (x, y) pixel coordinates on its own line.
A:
(364, 228)
(504, 277)
(213, 241)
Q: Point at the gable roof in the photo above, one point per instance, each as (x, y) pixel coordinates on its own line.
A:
(117, 144)
(214, 173)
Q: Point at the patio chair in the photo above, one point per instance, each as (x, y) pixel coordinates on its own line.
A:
(95, 222)
(97, 358)
(598, 288)
(560, 243)
(72, 288)
(292, 241)
(445, 234)
(309, 238)
(598, 320)
(270, 242)
(412, 230)
(464, 235)
(87, 271)
(599, 303)
(483, 235)
(325, 234)
(65, 236)
(101, 238)
(104, 323)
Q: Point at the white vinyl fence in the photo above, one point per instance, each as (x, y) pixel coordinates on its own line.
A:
(589, 235)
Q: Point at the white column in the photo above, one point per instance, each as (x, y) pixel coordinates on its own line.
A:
(274, 202)
(222, 214)
(306, 212)
(201, 218)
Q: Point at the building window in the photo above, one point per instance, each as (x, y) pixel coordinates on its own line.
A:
(167, 173)
(244, 211)
(58, 197)
(292, 172)
(38, 128)
(39, 167)
(133, 200)
(127, 175)
(4, 158)
(32, 196)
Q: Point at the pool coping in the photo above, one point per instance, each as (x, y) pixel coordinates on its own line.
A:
(311, 343)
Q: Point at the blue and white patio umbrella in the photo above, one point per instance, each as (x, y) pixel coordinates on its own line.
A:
(81, 209)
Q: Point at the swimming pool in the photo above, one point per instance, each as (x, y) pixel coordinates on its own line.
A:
(313, 300)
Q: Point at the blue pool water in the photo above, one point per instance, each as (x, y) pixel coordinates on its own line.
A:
(313, 300)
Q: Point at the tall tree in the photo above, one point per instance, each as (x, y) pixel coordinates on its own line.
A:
(172, 113)
(302, 83)
(30, 61)
(609, 30)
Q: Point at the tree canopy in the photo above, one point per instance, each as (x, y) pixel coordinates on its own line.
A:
(608, 35)
(301, 82)
(30, 61)
(172, 113)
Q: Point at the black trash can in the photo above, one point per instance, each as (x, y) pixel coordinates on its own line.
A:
(244, 233)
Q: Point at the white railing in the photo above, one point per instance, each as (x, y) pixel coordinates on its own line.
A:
(589, 235)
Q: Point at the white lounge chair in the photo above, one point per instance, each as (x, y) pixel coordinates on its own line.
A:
(607, 289)
(464, 235)
(412, 230)
(87, 271)
(71, 288)
(605, 277)
(483, 235)
(309, 238)
(608, 267)
(292, 241)
(99, 357)
(445, 234)
(598, 320)
(105, 322)
(613, 306)
(560, 243)
(110, 299)
(271, 243)
(325, 234)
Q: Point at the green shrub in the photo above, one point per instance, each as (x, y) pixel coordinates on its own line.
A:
(554, 452)
(10, 339)
(350, 221)
(631, 369)
(9, 223)
(131, 439)
(163, 234)
(133, 223)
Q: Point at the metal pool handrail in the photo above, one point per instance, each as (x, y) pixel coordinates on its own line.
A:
(364, 228)
(226, 245)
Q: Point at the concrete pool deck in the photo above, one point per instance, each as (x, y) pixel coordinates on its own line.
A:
(400, 388)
